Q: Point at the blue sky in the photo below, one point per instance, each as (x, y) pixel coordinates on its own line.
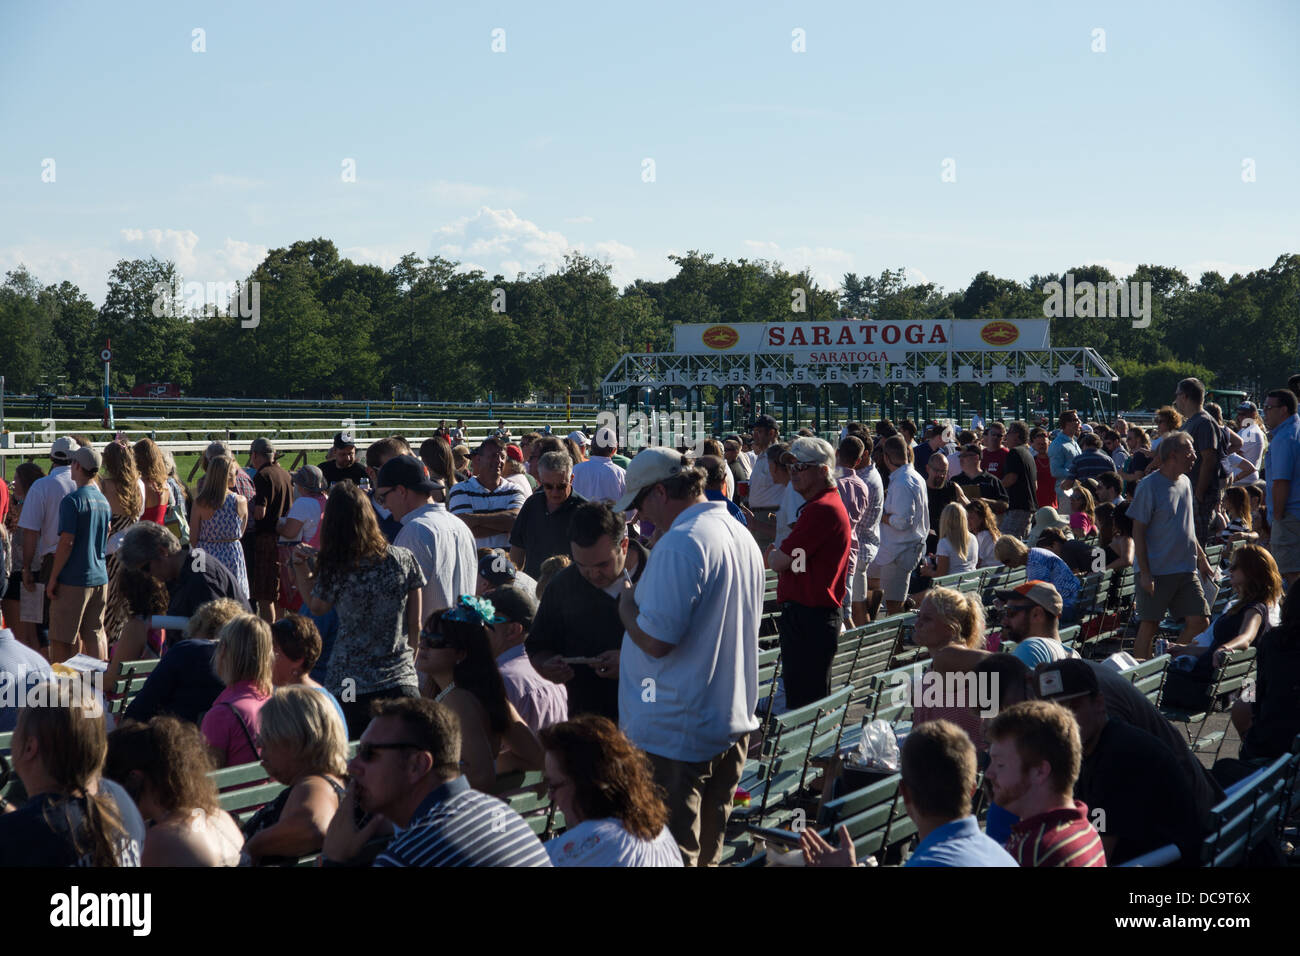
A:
(830, 158)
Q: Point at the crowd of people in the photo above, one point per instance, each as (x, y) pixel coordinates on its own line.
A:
(465, 610)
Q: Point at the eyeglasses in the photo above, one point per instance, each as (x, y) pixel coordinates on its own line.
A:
(1267, 406)
(367, 752)
(1013, 609)
(555, 487)
(797, 466)
(381, 495)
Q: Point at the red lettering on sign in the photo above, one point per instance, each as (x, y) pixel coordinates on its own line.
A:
(846, 335)
(937, 336)
(775, 335)
(890, 335)
(821, 335)
(915, 334)
(798, 338)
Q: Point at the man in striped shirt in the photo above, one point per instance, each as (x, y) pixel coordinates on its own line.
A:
(487, 502)
(1034, 757)
(407, 772)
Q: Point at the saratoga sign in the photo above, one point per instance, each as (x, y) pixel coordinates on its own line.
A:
(855, 341)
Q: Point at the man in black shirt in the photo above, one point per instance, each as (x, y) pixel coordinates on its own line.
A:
(977, 483)
(1137, 796)
(578, 616)
(542, 528)
(342, 465)
(1020, 479)
(941, 493)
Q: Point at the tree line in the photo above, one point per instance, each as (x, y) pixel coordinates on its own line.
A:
(328, 327)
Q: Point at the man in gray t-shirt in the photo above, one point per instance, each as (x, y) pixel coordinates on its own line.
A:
(1165, 549)
(1206, 475)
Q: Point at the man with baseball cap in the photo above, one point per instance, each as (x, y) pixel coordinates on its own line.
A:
(1030, 616)
(39, 520)
(688, 669)
(1139, 799)
(442, 544)
(1253, 441)
(342, 464)
(540, 702)
(764, 492)
(812, 567)
(78, 583)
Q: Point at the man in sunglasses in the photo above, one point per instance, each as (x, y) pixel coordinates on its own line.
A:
(542, 528)
(812, 566)
(407, 773)
(442, 544)
(1030, 618)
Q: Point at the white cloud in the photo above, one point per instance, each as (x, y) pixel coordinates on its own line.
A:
(1225, 269)
(760, 245)
(826, 263)
(52, 264)
(239, 258)
(503, 240)
(178, 245)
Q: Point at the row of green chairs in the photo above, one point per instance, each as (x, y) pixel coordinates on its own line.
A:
(1236, 669)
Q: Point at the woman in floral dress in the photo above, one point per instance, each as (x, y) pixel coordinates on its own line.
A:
(220, 518)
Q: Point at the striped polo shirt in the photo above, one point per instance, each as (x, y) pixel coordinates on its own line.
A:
(1061, 837)
(457, 825)
(471, 497)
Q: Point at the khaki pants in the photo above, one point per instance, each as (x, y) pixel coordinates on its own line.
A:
(699, 799)
(79, 613)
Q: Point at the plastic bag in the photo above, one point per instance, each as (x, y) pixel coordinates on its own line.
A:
(878, 748)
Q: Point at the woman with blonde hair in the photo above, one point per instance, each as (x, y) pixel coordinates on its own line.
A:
(950, 625)
(957, 550)
(164, 766)
(153, 471)
(220, 518)
(243, 661)
(121, 484)
(983, 524)
(305, 747)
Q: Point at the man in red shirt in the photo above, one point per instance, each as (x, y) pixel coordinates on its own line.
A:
(993, 458)
(1034, 758)
(1038, 440)
(813, 566)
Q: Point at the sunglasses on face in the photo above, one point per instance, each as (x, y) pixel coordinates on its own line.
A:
(798, 466)
(560, 487)
(433, 641)
(1013, 609)
(367, 752)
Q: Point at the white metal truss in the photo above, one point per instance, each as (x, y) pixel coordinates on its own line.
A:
(956, 367)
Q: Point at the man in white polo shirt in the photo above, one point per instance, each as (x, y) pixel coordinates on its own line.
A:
(598, 478)
(764, 493)
(688, 669)
(442, 544)
(39, 521)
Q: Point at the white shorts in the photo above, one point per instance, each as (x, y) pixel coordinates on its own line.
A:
(865, 570)
(895, 575)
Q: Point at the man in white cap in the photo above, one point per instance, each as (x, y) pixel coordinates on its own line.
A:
(78, 584)
(812, 566)
(39, 521)
(579, 437)
(688, 668)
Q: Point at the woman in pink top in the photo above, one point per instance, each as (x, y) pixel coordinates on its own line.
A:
(243, 660)
(1083, 513)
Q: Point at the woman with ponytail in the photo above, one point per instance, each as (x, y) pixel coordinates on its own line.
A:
(58, 753)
